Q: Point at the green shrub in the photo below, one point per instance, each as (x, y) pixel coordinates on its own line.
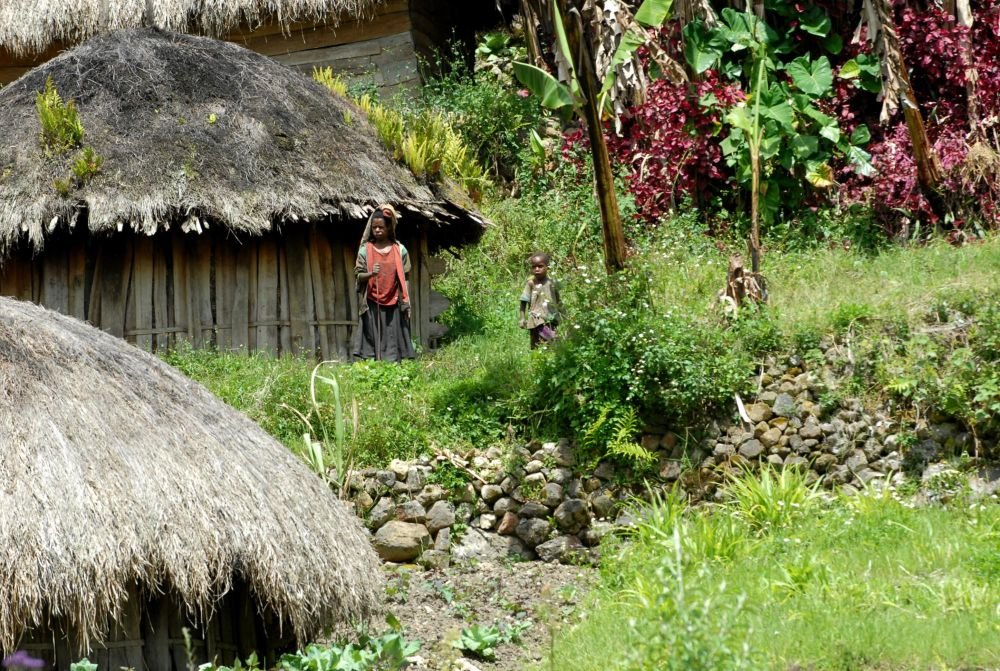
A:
(617, 353)
(484, 107)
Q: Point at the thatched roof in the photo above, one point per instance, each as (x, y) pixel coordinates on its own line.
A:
(116, 469)
(191, 130)
(29, 26)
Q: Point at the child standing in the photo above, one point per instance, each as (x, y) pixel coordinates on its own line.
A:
(540, 303)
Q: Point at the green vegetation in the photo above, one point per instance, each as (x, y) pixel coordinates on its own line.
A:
(423, 140)
(823, 583)
(60, 121)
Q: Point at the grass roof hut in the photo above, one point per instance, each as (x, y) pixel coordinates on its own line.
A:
(134, 503)
(228, 205)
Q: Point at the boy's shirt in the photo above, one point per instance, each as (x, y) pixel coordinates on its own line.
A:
(543, 302)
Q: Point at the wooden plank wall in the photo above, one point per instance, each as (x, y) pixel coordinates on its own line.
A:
(287, 294)
(376, 51)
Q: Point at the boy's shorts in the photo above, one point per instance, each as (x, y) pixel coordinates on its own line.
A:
(543, 333)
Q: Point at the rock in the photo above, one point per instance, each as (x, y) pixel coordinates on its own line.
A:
(430, 495)
(491, 493)
(775, 460)
(486, 522)
(410, 511)
(533, 531)
(441, 515)
(811, 429)
(381, 512)
(722, 451)
(784, 406)
(474, 545)
(533, 509)
(604, 471)
(399, 468)
(385, 478)
(670, 470)
(759, 412)
(467, 493)
(780, 423)
(416, 478)
(534, 479)
(768, 439)
(560, 475)
(363, 500)
(563, 455)
(602, 504)
(824, 462)
(503, 505)
(795, 461)
(434, 560)
(552, 494)
(591, 485)
(572, 515)
(593, 534)
(650, 442)
(401, 541)
(558, 548)
(751, 449)
(856, 461)
(508, 524)
(533, 466)
(575, 488)
(760, 428)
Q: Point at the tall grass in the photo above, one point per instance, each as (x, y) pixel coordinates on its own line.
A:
(847, 584)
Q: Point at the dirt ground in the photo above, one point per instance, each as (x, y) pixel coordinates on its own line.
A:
(434, 606)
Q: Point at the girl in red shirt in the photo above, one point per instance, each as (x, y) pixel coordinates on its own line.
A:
(383, 295)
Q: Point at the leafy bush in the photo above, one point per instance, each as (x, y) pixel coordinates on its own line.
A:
(493, 116)
(618, 354)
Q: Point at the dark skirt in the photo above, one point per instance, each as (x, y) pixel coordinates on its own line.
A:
(383, 334)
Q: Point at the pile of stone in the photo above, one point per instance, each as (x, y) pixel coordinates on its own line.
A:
(535, 500)
(539, 503)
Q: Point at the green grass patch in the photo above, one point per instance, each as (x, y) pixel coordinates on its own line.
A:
(840, 584)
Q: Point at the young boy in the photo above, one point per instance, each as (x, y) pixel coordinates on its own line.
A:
(540, 304)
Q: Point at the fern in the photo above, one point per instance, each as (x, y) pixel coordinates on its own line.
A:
(60, 121)
(625, 427)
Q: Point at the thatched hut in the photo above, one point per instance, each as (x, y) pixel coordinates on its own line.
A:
(228, 206)
(135, 503)
(379, 41)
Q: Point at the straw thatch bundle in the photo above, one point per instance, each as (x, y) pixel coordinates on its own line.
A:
(29, 26)
(117, 470)
(193, 131)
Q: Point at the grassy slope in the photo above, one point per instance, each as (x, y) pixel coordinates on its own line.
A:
(865, 583)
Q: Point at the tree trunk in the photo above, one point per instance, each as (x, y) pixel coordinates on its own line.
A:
(530, 16)
(896, 80)
(583, 62)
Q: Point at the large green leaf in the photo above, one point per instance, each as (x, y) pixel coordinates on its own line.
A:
(781, 112)
(739, 117)
(831, 133)
(653, 13)
(813, 78)
(804, 146)
(552, 93)
(861, 135)
(700, 50)
(862, 161)
(815, 22)
(849, 70)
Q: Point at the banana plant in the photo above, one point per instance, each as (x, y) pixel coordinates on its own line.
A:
(778, 140)
(584, 93)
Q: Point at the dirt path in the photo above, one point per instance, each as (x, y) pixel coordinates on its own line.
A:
(435, 606)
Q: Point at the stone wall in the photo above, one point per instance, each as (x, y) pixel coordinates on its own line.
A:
(540, 502)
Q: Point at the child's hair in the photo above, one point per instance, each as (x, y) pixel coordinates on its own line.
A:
(539, 255)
